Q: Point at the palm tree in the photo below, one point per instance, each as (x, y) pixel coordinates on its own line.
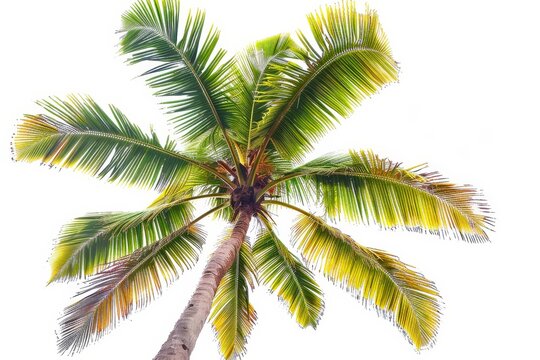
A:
(247, 124)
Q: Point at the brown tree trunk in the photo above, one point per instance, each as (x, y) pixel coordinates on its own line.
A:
(182, 339)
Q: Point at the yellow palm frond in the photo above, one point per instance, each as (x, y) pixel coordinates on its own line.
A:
(128, 284)
(285, 275)
(363, 187)
(90, 243)
(380, 279)
(232, 316)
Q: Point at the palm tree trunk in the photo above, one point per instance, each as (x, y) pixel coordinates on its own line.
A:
(182, 339)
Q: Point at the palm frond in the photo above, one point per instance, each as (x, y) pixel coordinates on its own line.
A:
(232, 316)
(77, 133)
(253, 66)
(212, 145)
(404, 296)
(128, 284)
(285, 275)
(363, 187)
(293, 186)
(226, 213)
(89, 243)
(189, 71)
(347, 60)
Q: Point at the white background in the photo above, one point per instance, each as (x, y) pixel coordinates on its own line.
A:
(466, 103)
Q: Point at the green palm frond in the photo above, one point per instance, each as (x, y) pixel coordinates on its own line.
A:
(211, 145)
(285, 275)
(348, 59)
(226, 213)
(190, 71)
(253, 66)
(380, 279)
(363, 187)
(232, 316)
(128, 284)
(294, 186)
(77, 133)
(89, 243)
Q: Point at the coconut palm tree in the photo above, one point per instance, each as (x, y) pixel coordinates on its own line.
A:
(246, 124)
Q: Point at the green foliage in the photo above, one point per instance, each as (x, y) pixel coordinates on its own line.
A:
(285, 275)
(245, 121)
(253, 66)
(126, 285)
(77, 133)
(89, 243)
(362, 187)
(380, 279)
(189, 70)
(347, 59)
(232, 316)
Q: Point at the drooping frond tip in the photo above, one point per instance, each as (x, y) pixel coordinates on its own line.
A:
(126, 285)
(232, 315)
(400, 294)
(285, 275)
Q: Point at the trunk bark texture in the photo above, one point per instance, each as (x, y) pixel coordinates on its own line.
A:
(182, 339)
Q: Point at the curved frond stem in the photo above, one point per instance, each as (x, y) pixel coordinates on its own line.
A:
(366, 188)
(290, 176)
(289, 206)
(187, 159)
(273, 183)
(211, 211)
(192, 198)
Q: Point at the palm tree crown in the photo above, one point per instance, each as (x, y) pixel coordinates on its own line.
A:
(247, 123)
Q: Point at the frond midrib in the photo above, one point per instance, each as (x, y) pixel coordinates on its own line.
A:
(137, 142)
(255, 92)
(289, 266)
(317, 71)
(401, 288)
(356, 247)
(300, 288)
(197, 78)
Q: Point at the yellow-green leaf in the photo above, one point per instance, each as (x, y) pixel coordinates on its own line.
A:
(380, 279)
